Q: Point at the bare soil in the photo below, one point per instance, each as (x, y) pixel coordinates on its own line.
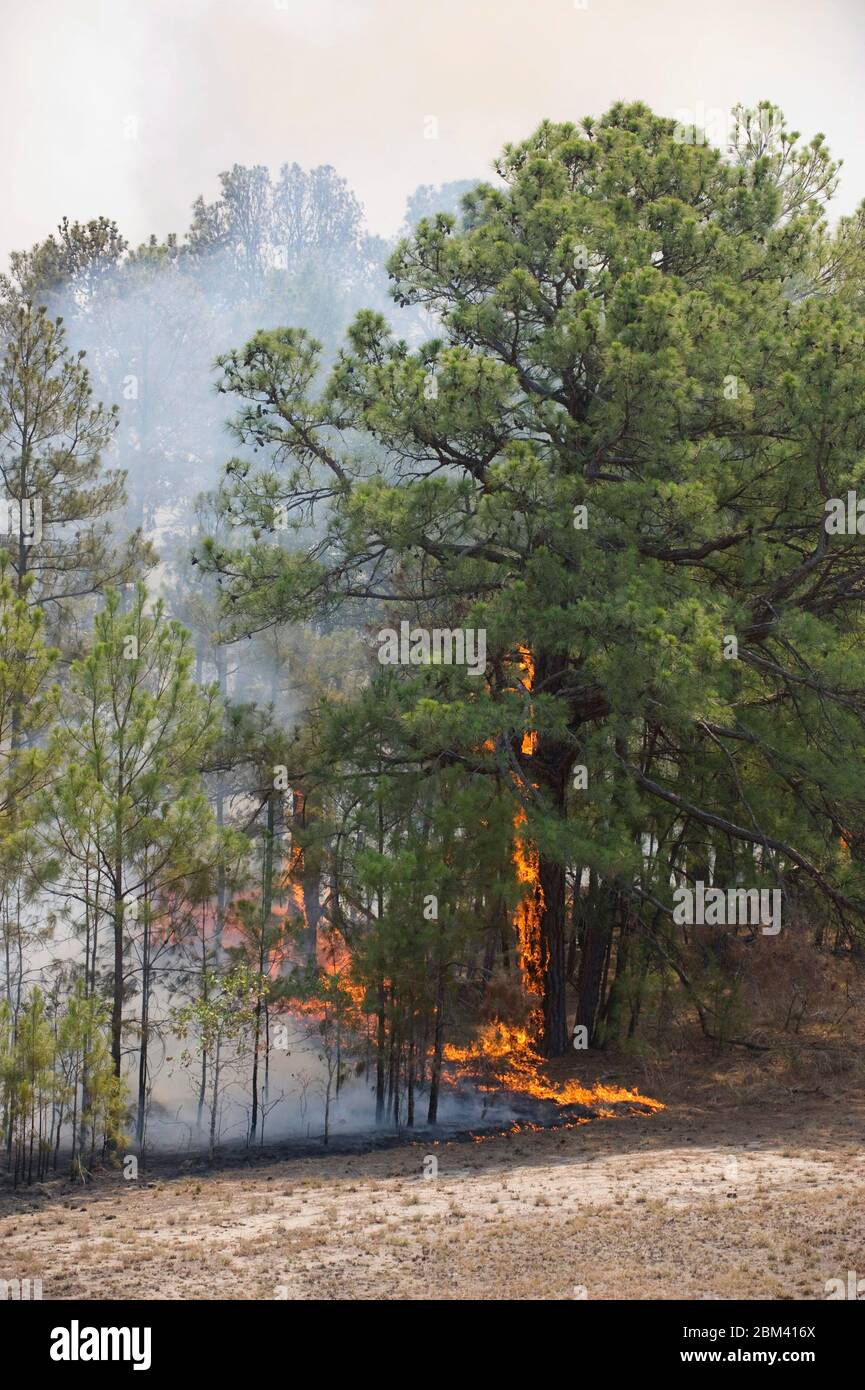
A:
(735, 1190)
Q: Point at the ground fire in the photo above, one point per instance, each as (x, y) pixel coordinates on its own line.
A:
(501, 1062)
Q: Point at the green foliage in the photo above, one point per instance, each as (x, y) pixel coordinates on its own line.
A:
(636, 324)
(52, 435)
(645, 380)
(55, 1070)
(128, 819)
(221, 1018)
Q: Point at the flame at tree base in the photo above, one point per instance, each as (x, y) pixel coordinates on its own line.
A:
(504, 1057)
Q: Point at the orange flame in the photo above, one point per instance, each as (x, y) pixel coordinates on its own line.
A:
(507, 1055)
(527, 665)
(527, 919)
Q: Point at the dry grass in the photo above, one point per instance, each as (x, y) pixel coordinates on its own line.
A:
(719, 1201)
(750, 1184)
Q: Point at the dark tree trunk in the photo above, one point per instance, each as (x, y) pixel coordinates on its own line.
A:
(117, 992)
(379, 1057)
(409, 1117)
(144, 1045)
(618, 1003)
(219, 805)
(489, 956)
(305, 872)
(552, 881)
(592, 962)
(438, 1044)
(396, 1070)
(266, 907)
(552, 765)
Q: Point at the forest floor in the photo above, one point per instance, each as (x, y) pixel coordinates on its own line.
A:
(746, 1185)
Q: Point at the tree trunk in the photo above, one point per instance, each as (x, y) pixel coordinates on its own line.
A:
(618, 1000)
(305, 872)
(592, 959)
(117, 995)
(553, 765)
(552, 882)
(266, 907)
(211, 1146)
(438, 1042)
(379, 1059)
(145, 1037)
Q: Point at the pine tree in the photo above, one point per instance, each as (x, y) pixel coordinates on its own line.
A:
(58, 495)
(615, 459)
(130, 801)
(28, 702)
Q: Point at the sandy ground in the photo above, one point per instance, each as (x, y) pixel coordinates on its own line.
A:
(755, 1201)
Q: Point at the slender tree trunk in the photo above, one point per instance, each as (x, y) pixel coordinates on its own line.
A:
(379, 1057)
(409, 1116)
(438, 1040)
(214, 1101)
(266, 904)
(219, 807)
(614, 1002)
(552, 880)
(380, 1031)
(202, 1084)
(145, 1033)
(592, 958)
(393, 1069)
(117, 996)
(305, 873)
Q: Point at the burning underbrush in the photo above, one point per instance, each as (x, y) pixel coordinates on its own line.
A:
(503, 1066)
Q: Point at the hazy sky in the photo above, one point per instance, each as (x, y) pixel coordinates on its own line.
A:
(132, 107)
